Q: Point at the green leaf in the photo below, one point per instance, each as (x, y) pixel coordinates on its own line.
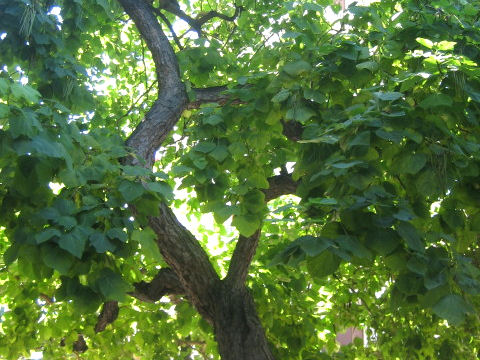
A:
(25, 92)
(147, 240)
(74, 243)
(47, 234)
(100, 242)
(23, 125)
(4, 85)
(411, 236)
(369, 65)
(237, 149)
(200, 162)
(130, 190)
(323, 201)
(11, 254)
(297, 68)
(222, 212)
(300, 114)
(394, 136)
(436, 100)
(445, 45)
(204, 147)
(425, 42)
(314, 95)
(313, 245)
(326, 263)
(117, 233)
(254, 201)
(220, 153)
(246, 224)
(353, 246)
(282, 95)
(326, 139)
(452, 308)
(388, 96)
(4, 110)
(48, 147)
(57, 259)
(68, 222)
(346, 165)
(383, 241)
(161, 188)
(411, 164)
(404, 215)
(213, 120)
(181, 170)
(313, 7)
(136, 171)
(258, 180)
(112, 286)
(362, 139)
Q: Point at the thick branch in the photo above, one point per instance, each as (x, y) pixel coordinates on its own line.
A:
(187, 259)
(282, 184)
(215, 94)
(241, 259)
(107, 316)
(166, 282)
(172, 98)
(179, 248)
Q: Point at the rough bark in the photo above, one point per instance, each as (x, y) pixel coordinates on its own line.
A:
(227, 305)
(241, 259)
(238, 331)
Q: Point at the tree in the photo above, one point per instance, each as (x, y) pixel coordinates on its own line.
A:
(371, 120)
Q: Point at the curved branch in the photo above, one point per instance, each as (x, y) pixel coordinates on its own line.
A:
(166, 282)
(213, 14)
(172, 7)
(172, 98)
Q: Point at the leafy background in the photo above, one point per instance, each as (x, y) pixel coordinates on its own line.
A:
(383, 234)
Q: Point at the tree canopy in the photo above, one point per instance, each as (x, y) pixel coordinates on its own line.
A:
(325, 164)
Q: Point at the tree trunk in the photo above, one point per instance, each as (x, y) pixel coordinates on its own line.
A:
(238, 331)
(227, 305)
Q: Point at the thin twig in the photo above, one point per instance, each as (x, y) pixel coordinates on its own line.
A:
(136, 101)
(170, 27)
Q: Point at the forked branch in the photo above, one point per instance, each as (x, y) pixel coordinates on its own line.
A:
(173, 7)
(246, 247)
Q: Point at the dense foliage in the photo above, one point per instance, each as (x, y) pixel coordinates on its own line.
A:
(374, 117)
